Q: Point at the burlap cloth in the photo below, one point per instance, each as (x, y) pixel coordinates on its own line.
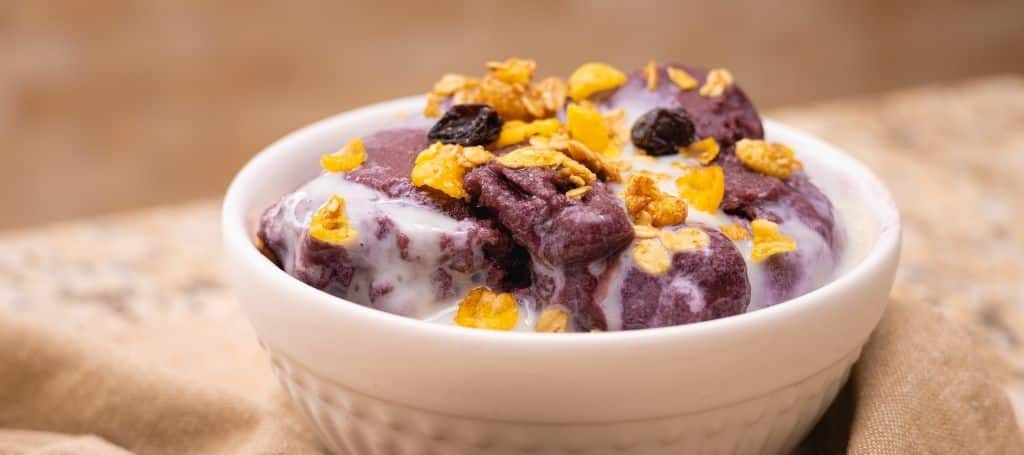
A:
(203, 387)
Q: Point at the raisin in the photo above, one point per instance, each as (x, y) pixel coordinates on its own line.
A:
(662, 131)
(467, 125)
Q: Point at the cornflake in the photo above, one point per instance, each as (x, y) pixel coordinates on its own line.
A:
(685, 239)
(531, 156)
(594, 77)
(350, 157)
(717, 81)
(513, 70)
(588, 126)
(516, 131)
(463, 89)
(682, 79)
(608, 169)
(443, 167)
(618, 130)
(646, 204)
(553, 319)
(482, 308)
(651, 75)
(643, 231)
(330, 224)
(768, 241)
(546, 97)
(651, 257)
(774, 159)
(705, 150)
(702, 187)
(735, 231)
(578, 193)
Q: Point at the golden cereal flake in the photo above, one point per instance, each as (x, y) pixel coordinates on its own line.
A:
(651, 257)
(578, 193)
(643, 231)
(717, 81)
(768, 241)
(462, 88)
(702, 187)
(516, 131)
(681, 78)
(608, 169)
(774, 159)
(513, 70)
(330, 223)
(588, 126)
(685, 239)
(350, 157)
(554, 319)
(651, 75)
(704, 150)
(443, 167)
(482, 308)
(618, 130)
(530, 156)
(506, 98)
(646, 204)
(545, 98)
(735, 231)
(594, 77)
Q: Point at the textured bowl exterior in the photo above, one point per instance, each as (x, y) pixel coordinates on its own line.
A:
(353, 423)
(376, 383)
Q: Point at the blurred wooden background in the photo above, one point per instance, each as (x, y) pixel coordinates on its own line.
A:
(107, 105)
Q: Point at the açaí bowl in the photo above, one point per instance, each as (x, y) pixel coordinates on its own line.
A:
(376, 383)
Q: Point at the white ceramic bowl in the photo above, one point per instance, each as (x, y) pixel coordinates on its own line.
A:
(376, 383)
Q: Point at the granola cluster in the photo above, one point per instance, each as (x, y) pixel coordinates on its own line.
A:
(508, 87)
(647, 204)
(330, 223)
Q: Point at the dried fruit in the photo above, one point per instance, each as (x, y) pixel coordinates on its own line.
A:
(704, 150)
(554, 319)
(482, 308)
(768, 241)
(513, 70)
(651, 75)
(651, 257)
(735, 231)
(578, 193)
(646, 204)
(516, 131)
(717, 81)
(662, 131)
(330, 224)
(531, 156)
(774, 159)
(685, 239)
(351, 156)
(443, 167)
(467, 125)
(681, 78)
(594, 77)
(702, 187)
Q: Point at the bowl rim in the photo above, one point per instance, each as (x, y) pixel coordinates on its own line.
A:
(236, 236)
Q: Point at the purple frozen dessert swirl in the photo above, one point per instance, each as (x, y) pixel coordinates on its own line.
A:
(612, 201)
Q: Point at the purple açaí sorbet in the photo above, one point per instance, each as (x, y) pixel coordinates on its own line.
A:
(532, 230)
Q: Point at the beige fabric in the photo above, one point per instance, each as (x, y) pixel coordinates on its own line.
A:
(201, 387)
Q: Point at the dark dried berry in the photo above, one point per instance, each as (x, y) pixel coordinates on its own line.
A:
(661, 131)
(467, 125)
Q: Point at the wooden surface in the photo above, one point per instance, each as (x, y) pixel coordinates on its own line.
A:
(113, 104)
(953, 155)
